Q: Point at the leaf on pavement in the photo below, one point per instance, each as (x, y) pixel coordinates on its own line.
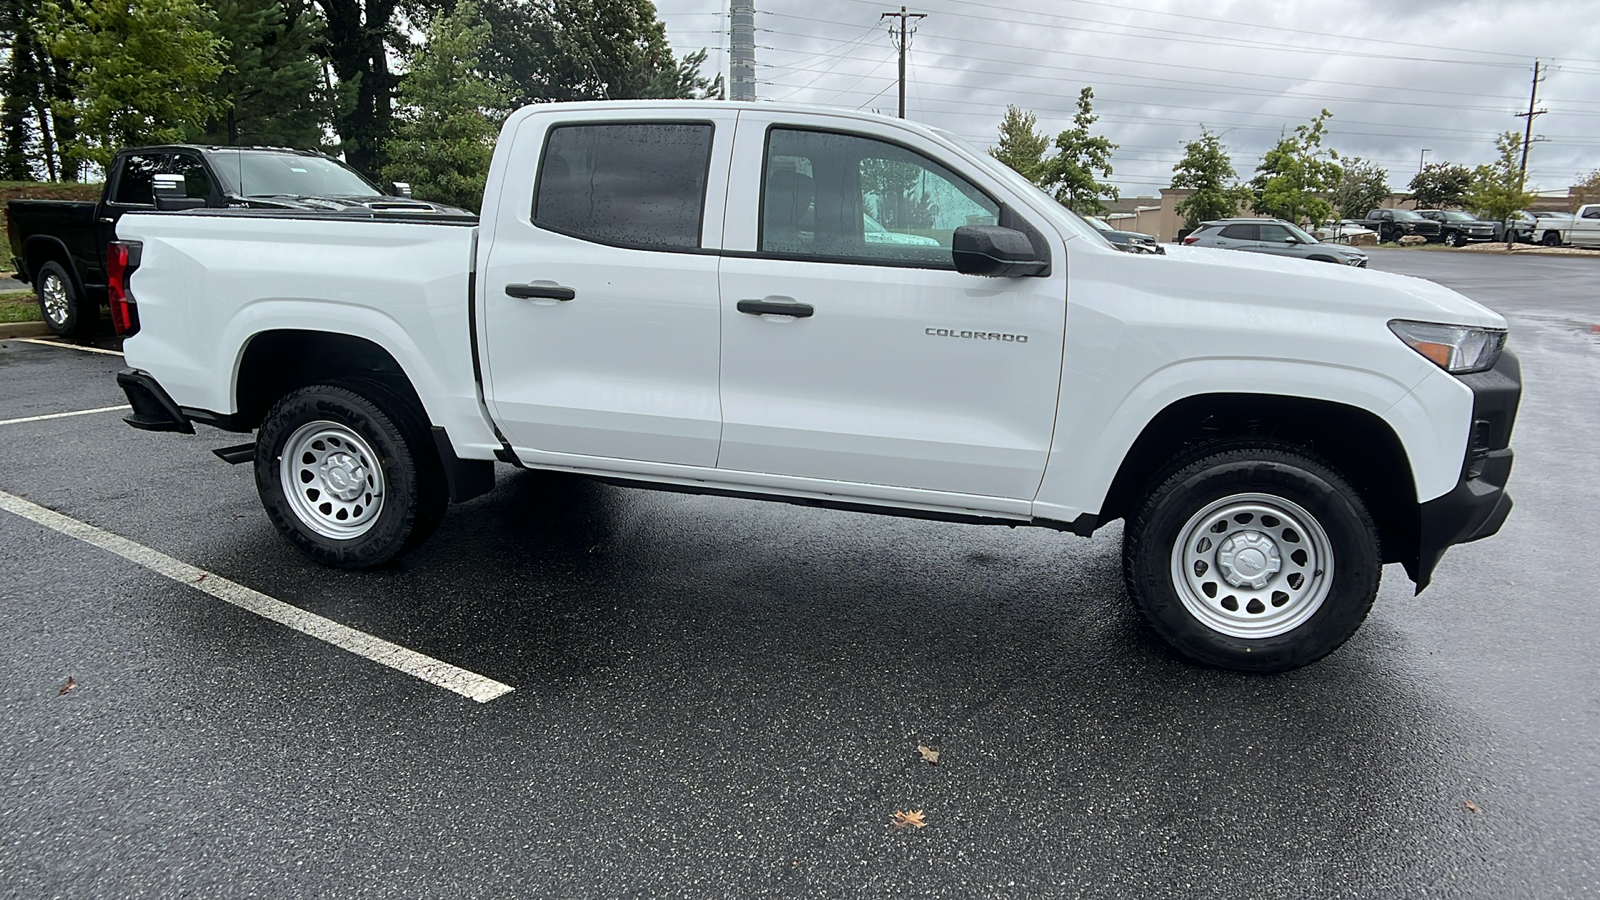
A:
(929, 755)
(1471, 807)
(911, 818)
(67, 687)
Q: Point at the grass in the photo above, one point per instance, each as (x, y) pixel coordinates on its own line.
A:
(38, 190)
(18, 306)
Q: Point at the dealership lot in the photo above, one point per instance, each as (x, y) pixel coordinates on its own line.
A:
(711, 697)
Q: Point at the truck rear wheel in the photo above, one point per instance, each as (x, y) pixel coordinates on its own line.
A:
(1253, 557)
(60, 305)
(348, 475)
(1552, 238)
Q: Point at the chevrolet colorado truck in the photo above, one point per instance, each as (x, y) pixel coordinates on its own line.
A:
(688, 296)
(59, 246)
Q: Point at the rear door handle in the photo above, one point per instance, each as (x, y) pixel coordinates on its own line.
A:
(540, 290)
(776, 306)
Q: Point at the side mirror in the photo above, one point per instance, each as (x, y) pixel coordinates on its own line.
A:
(399, 189)
(994, 251)
(171, 194)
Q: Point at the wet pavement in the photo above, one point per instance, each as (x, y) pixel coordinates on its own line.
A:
(717, 697)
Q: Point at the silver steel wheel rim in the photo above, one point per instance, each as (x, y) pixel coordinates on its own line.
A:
(54, 294)
(1252, 566)
(332, 479)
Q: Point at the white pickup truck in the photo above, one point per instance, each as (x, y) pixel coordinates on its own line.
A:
(834, 308)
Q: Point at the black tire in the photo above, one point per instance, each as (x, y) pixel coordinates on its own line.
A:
(1552, 238)
(1294, 484)
(1453, 239)
(61, 305)
(387, 457)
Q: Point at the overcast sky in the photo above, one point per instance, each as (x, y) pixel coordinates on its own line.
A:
(1399, 77)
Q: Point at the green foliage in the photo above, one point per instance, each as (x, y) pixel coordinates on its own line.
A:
(1021, 147)
(143, 70)
(1070, 174)
(450, 112)
(898, 201)
(271, 93)
(1295, 177)
(1441, 185)
(1496, 190)
(1586, 191)
(35, 119)
(1207, 171)
(551, 50)
(1362, 186)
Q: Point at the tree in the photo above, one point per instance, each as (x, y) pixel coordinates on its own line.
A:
(1021, 147)
(1208, 172)
(1070, 174)
(450, 112)
(36, 121)
(359, 36)
(1440, 185)
(1586, 191)
(547, 50)
(1362, 186)
(272, 91)
(1497, 188)
(143, 70)
(1294, 178)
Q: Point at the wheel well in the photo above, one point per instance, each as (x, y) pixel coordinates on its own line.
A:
(1361, 446)
(277, 362)
(38, 252)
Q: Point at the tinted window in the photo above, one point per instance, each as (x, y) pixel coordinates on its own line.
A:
(1239, 232)
(256, 173)
(633, 184)
(196, 183)
(135, 185)
(838, 196)
(1592, 213)
(1275, 233)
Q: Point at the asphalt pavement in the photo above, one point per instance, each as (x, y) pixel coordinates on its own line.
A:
(724, 698)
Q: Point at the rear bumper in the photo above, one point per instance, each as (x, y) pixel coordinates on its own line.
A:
(153, 409)
(1478, 505)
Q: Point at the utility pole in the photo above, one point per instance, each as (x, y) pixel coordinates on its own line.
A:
(1527, 134)
(742, 50)
(1422, 161)
(900, 44)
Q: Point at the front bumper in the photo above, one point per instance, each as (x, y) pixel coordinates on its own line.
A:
(1478, 505)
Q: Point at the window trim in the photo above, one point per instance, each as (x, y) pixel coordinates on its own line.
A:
(699, 248)
(761, 207)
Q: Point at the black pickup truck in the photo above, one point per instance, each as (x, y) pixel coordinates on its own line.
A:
(1394, 224)
(59, 246)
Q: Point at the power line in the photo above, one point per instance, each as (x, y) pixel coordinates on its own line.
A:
(902, 44)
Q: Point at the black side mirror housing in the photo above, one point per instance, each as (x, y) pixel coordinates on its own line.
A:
(171, 194)
(995, 251)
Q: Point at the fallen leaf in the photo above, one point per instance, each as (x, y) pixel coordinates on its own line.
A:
(1471, 807)
(929, 755)
(67, 687)
(911, 818)
(202, 577)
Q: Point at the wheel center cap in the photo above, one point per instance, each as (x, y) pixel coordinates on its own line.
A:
(1248, 559)
(344, 476)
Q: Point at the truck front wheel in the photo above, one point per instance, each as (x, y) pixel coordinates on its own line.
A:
(347, 473)
(1254, 557)
(60, 305)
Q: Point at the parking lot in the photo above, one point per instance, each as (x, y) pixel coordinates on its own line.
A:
(714, 697)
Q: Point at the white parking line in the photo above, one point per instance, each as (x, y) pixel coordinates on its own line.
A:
(68, 346)
(65, 415)
(401, 659)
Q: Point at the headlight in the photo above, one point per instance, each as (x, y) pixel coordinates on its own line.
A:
(1458, 349)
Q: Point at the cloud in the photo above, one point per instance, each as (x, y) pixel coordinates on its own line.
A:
(1398, 77)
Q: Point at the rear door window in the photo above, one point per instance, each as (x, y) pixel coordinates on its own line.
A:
(627, 184)
(1239, 232)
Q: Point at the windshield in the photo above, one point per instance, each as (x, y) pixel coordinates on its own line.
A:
(254, 173)
(1099, 223)
(1298, 233)
(1406, 215)
(1071, 220)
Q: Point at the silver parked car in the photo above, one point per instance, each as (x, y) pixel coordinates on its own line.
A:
(1273, 236)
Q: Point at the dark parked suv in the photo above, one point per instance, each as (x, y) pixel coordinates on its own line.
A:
(1459, 227)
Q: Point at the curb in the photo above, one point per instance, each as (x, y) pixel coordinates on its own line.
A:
(23, 329)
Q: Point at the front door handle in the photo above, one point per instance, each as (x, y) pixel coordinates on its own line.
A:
(540, 290)
(776, 306)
